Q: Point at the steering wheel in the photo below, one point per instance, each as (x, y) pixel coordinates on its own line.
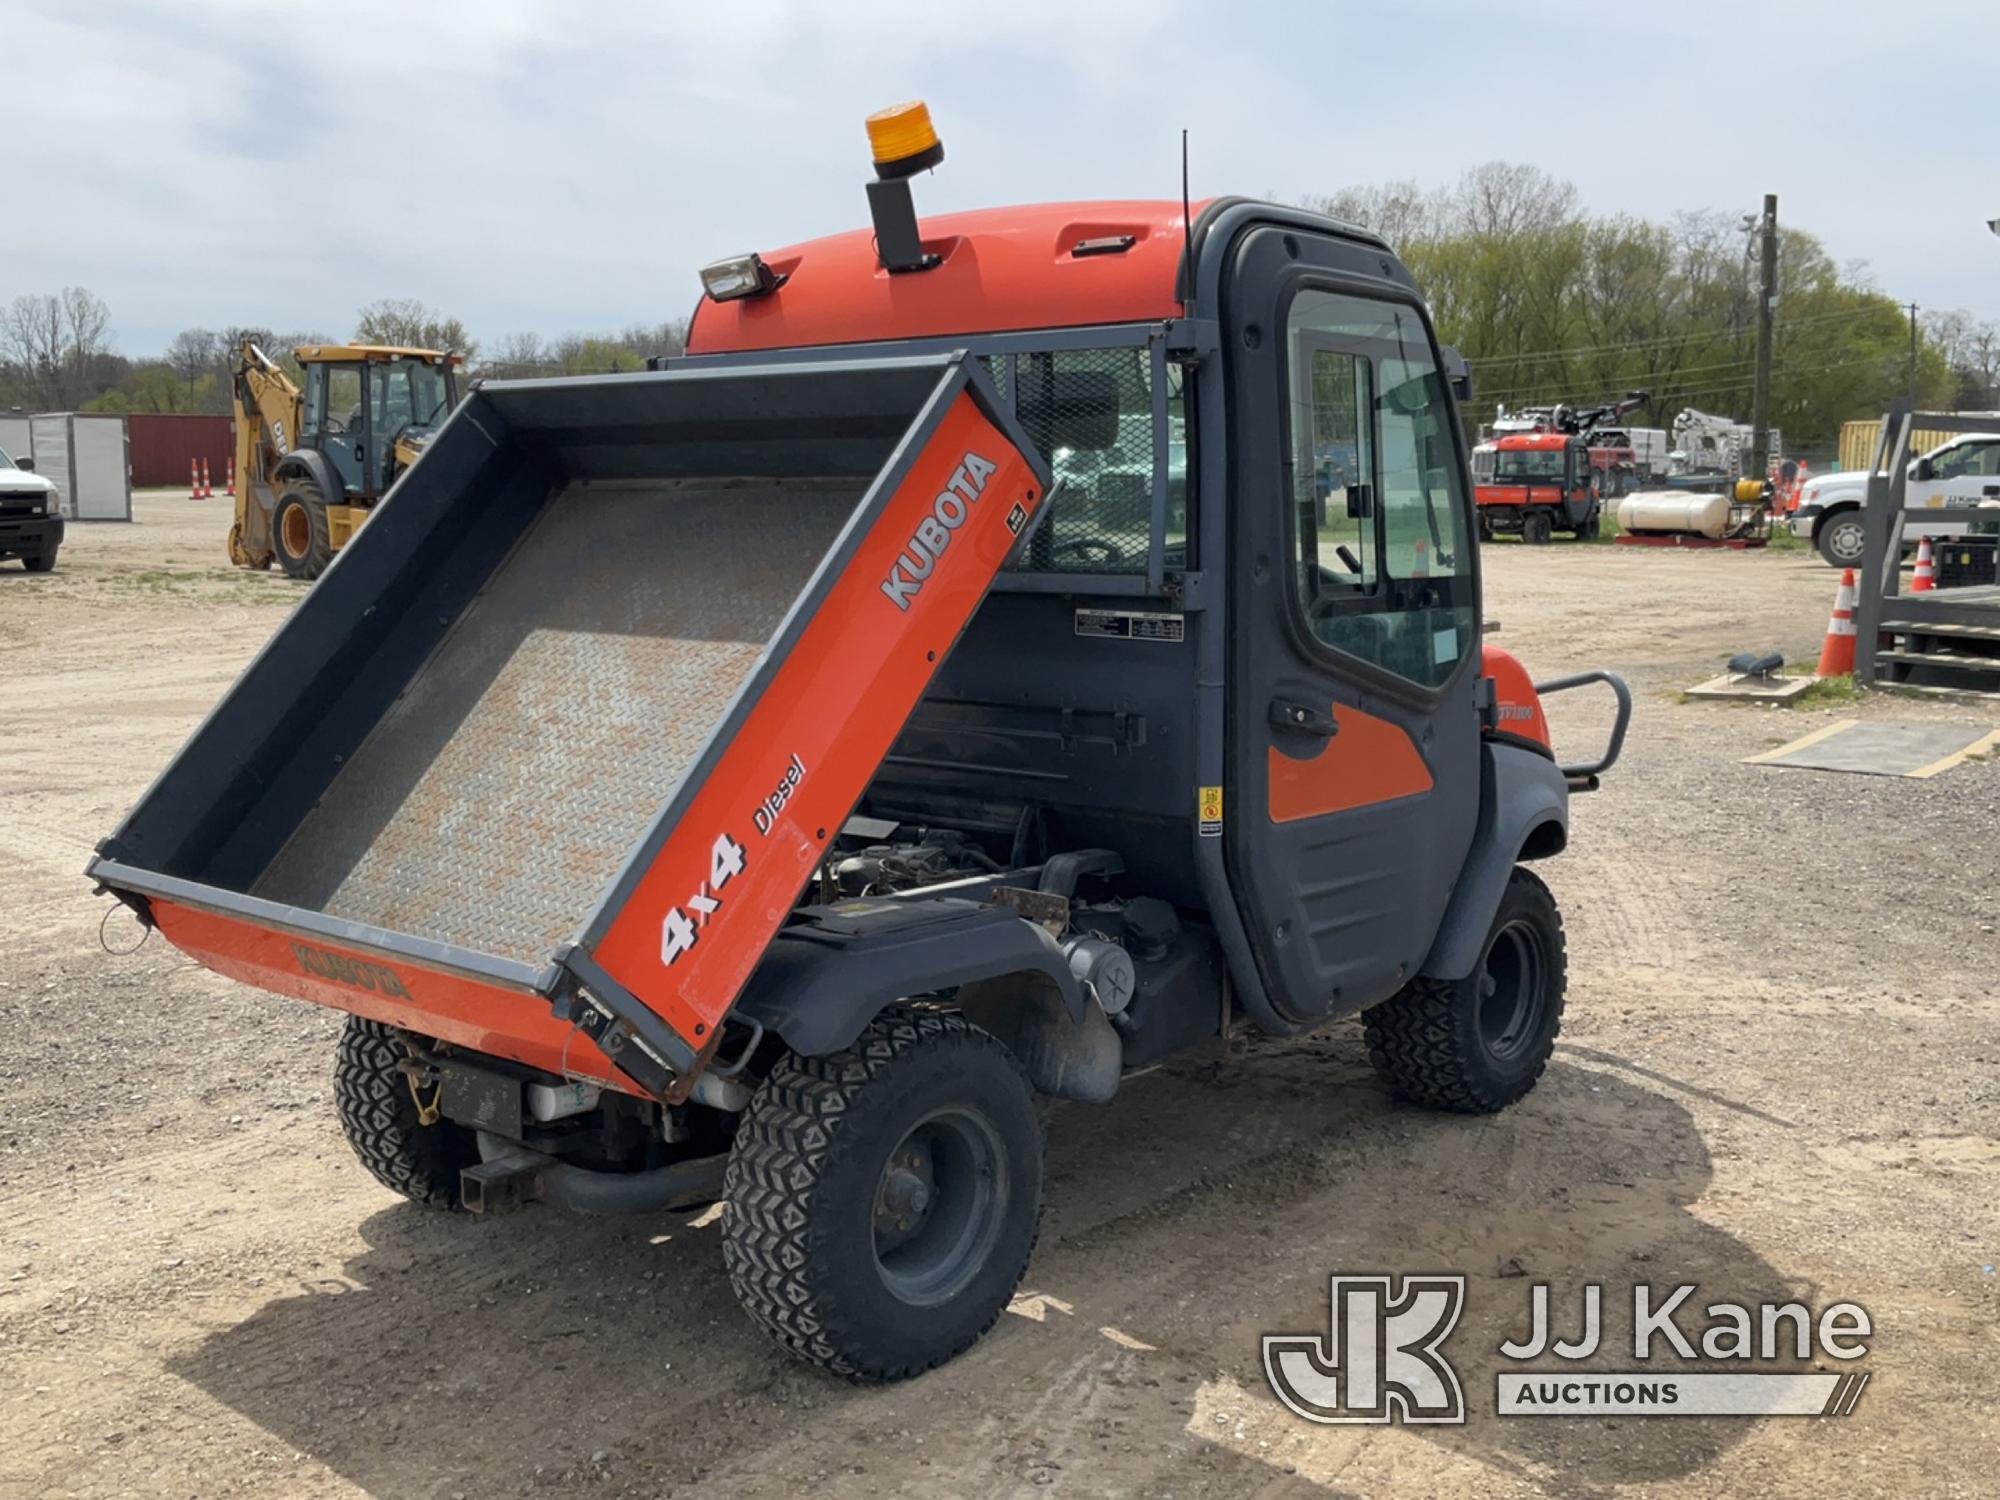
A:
(1090, 549)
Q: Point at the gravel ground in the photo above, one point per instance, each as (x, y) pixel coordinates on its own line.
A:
(1779, 1077)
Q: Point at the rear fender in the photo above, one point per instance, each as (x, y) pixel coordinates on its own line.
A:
(1523, 814)
(825, 977)
(306, 463)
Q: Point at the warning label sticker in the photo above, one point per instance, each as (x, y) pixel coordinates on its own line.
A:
(1208, 811)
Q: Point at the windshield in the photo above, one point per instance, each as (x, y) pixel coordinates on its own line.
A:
(408, 393)
(1540, 463)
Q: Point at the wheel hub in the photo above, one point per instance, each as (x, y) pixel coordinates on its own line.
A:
(939, 1206)
(1512, 983)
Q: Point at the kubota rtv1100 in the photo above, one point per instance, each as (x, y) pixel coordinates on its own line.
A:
(958, 679)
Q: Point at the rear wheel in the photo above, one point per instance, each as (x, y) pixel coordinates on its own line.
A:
(1485, 527)
(1537, 528)
(383, 1125)
(301, 531)
(1842, 539)
(40, 562)
(883, 1201)
(1477, 1044)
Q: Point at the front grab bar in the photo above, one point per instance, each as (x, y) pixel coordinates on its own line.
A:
(1588, 772)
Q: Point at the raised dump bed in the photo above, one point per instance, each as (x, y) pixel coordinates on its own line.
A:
(573, 717)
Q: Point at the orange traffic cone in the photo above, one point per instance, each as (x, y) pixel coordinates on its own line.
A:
(207, 489)
(1926, 578)
(229, 489)
(1836, 657)
(194, 479)
(1420, 566)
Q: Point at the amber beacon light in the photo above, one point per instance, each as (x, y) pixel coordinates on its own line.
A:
(903, 141)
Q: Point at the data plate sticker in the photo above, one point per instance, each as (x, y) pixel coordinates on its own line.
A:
(1130, 625)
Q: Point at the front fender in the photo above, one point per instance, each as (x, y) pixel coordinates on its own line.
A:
(824, 978)
(309, 463)
(1523, 814)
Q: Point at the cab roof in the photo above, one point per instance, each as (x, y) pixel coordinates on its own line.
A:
(1044, 265)
(337, 354)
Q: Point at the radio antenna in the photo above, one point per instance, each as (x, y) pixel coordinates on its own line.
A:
(1187, 235)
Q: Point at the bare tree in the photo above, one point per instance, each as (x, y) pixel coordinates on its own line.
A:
(54, 339)
(518, 355)
(192, 354)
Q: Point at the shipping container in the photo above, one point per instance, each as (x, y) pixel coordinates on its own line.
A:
(1858, 440)
(83, 455)
(163, 446)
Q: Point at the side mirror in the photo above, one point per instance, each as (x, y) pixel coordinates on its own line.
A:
(1922, 471)
(25, 465)
(1360, 502)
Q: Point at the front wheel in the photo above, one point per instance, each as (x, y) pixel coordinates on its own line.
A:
(882, 1202)
(1842, 540)
(1476, 1045)
(302, 530)
(1537, 528)
(40, 562)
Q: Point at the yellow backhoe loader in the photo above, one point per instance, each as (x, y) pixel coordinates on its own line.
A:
(311, 462)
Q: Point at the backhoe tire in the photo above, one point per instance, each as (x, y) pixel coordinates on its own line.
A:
(420, 1161)
(1478, 1044)
(1537, 528)
(300, 532)
(882, 1202)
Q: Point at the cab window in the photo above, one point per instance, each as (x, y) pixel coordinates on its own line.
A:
(1381, 567)
(1967, 459)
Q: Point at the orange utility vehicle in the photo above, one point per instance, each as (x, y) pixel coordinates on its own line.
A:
(758, 778)
(1541, 483)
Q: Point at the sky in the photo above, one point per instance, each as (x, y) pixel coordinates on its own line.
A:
(563, 168)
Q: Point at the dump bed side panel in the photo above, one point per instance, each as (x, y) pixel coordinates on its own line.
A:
(466, 1012)
(727, 859)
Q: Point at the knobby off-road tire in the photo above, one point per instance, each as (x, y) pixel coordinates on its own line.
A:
(1478, 1044)
(821, 1238)
(301, 532)
(422, 1162)
(1537, 528)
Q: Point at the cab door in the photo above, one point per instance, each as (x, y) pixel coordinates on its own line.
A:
(1963, 475)
(1354, 756)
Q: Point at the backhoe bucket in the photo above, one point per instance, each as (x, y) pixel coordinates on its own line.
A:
(543, 762)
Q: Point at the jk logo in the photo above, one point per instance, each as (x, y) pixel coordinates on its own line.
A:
(1380, 1361)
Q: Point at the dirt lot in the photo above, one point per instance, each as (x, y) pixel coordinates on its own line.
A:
(1779, 1076)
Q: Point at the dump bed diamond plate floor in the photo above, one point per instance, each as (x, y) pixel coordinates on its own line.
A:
(502, 792)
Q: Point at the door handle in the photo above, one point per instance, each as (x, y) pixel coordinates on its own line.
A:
(1297, 716)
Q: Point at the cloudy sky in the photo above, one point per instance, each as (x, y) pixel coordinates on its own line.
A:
(566, 167)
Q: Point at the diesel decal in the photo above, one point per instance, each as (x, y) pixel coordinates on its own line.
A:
(765, 818)
(356, 973)
(933, 534)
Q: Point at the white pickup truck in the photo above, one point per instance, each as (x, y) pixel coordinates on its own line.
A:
(1956, 475)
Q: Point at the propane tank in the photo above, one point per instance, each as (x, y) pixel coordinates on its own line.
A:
(1672, 510)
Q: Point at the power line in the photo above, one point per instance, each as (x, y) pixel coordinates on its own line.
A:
(1690, 336)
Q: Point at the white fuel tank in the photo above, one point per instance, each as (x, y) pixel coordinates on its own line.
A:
(1674, 510)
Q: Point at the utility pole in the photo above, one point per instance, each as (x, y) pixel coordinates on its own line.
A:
(1767, 301)
(1913, 356)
